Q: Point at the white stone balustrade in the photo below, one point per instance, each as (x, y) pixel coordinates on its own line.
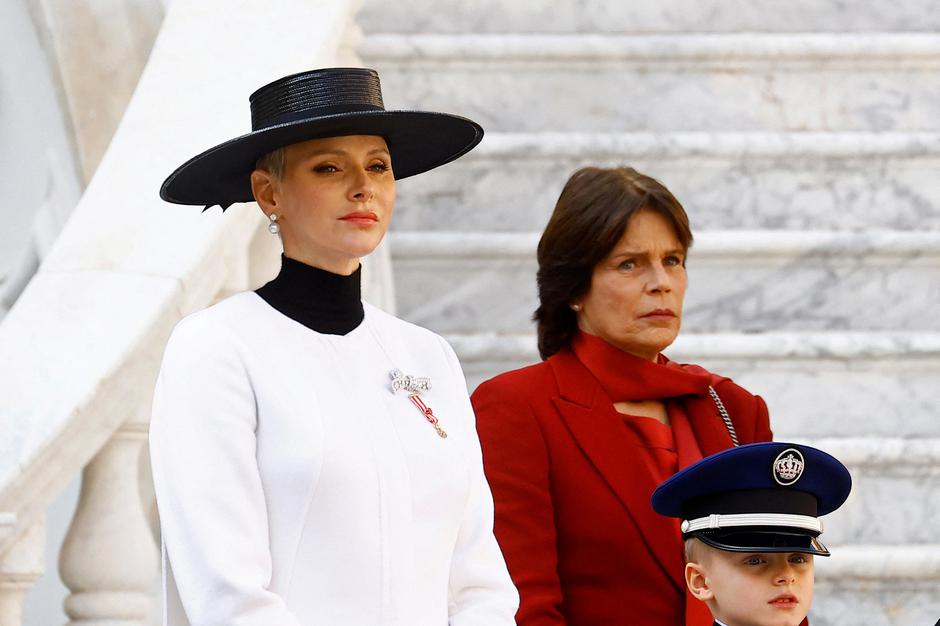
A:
(109, 558)
(21, 565)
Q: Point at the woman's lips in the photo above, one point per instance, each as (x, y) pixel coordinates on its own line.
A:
(784, 601)
(360, 217)
(660, 313)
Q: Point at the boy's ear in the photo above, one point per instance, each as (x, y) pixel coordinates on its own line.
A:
(697, 583)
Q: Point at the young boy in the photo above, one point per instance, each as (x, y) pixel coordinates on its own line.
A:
(750, 523)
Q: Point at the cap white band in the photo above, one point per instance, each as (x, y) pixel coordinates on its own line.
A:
(753, 519)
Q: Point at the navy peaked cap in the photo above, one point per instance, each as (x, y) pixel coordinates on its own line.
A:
(763, 497)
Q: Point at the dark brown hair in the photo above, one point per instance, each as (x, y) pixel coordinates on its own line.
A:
(590, 217)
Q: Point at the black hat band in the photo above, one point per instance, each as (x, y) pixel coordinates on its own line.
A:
(752, 501)
(306, 114)
(315, 94)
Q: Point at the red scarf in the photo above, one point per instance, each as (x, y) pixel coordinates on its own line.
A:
(696, 424)
(626, 377)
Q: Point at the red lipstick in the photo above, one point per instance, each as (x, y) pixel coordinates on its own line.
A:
(360, 217)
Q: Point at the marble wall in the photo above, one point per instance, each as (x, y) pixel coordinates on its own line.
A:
(701, 82)
(672, 16)
(767, 180)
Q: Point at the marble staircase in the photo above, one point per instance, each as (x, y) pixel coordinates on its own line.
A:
(803, 139)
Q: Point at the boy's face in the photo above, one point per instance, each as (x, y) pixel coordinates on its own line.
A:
(753, 589)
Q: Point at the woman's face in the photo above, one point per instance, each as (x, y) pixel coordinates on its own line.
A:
(635, 299)
(334, 200)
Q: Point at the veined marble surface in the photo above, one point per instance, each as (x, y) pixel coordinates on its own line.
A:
(893, 502)
(891, 602)
(901, 50)
(740, 281)
(878, 585)
(839, 181)
(522, 16)
(860, 565)
(816, 385)
(667, 83)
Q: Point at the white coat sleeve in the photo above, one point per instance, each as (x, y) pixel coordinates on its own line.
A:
(481, 591)
(212, 509)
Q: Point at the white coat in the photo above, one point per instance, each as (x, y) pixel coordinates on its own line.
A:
(295, 489)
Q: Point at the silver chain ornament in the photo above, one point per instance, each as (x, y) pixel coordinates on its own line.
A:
(723, 412)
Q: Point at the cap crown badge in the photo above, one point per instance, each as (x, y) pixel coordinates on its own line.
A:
(788, 467)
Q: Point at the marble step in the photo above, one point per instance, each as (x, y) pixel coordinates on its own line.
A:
(836, 181)
(616, 16)
(739, 281)
(819, 385)
(874, 585)
(700, 82)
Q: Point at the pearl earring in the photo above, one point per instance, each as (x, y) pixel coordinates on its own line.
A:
(274, 228)
(575, 307)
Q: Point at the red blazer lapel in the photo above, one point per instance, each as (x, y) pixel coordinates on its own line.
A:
(601, 435)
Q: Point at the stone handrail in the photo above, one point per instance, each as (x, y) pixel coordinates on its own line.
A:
(79, 351)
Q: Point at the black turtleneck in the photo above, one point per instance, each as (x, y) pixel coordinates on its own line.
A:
(320, 300)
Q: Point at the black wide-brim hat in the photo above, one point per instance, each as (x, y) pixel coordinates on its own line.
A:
(320, 103)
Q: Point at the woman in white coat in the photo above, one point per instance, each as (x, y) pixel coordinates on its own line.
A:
(315, 459)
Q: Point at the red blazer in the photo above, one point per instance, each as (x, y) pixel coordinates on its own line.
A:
(572, 490)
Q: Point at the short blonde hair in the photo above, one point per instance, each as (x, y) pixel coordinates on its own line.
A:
(273, 163)
(695, 550)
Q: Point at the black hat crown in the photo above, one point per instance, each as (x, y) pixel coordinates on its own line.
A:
(315, 94)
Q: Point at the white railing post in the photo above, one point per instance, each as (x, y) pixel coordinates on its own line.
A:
(109, 558)
(20, 567)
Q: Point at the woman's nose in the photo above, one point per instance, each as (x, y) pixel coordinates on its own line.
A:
(361, 189)
(659, 279)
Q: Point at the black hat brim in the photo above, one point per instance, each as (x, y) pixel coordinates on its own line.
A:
(417, 140)
(773, 540)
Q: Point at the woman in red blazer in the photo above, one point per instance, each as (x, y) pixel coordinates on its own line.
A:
(575, 445)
